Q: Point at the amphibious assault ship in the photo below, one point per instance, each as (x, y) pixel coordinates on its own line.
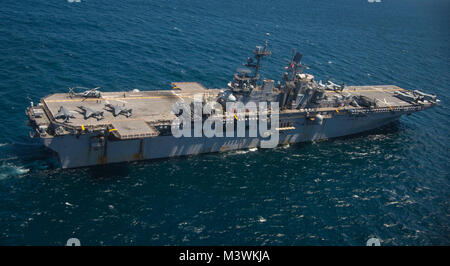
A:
(93, 127)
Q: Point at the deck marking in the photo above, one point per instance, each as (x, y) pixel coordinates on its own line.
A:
(120, 101)
(114, 99)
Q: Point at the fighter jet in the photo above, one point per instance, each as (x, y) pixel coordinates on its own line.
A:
(117, 110)
(89, 93)
(65, 114)
(88, 112)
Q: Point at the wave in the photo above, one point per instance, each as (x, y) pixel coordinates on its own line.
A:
(10, 170)
(243, 151)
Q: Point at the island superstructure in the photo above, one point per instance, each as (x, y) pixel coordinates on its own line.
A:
(93, 127)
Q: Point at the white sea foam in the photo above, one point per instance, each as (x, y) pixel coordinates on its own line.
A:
(9, 170)
(243, 151)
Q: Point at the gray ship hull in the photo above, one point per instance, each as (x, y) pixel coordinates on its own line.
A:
(95, 128)
(88, 149)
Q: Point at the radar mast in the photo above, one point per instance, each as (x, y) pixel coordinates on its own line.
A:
(243, 81)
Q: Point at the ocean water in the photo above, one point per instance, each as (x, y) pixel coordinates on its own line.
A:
(391, 183)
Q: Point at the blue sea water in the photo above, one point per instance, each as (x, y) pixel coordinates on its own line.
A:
(391, 183)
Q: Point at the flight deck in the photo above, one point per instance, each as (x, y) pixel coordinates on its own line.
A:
(155, 106)
(148, 106)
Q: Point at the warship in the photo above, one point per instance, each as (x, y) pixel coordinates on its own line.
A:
(94, 128)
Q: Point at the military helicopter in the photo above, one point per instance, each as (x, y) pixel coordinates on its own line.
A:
(117, 110)
(88, 112)
(333, 86)
(65, 114)
(329, 85)
(88, 93)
